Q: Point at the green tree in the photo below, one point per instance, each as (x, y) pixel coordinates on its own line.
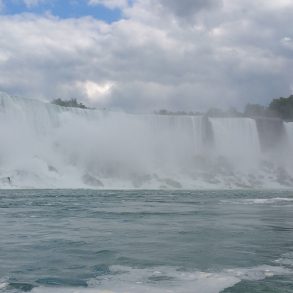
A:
(69, 103)
(283, 108)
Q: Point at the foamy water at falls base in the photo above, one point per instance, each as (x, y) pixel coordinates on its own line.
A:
(86, 241)
(47, 146)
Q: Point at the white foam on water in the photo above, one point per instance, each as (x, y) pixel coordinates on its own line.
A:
(3, 283)
(267, 200)
(168, 280)
(252, 201)
(286, 260)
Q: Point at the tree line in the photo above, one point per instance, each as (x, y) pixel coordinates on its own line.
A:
(73, 103)
(278, 108)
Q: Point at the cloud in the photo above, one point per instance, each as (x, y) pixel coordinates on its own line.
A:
(163, 54)
(287, 42)
(32, 3)
(96, 91)
(112, 4)
(2, 6)
(189, 8)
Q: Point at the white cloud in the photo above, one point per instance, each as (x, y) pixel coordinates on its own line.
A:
(287, 42)
(97, 91)
(225, 53)
(110, 3)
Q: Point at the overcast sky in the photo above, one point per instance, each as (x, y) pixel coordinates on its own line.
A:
(143, 55)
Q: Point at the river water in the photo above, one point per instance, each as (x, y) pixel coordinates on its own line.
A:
(85, 241)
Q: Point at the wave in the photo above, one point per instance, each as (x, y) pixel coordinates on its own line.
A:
(253, 201)
(165, 280)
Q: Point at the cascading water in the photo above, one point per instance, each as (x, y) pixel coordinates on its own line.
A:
(236, 138)
(289, 132)
(48, 146)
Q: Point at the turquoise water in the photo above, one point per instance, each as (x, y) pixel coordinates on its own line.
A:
(88, 241)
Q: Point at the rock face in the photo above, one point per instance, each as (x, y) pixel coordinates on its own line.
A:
(49, 146)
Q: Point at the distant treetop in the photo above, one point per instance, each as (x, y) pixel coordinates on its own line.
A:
(283, 108)
(69, 103)
(179, 113)
(279, 108)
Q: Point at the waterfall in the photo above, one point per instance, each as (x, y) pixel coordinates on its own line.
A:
(272, 133)
(236, 138)
(48, 146)
(289, 132)
(198, 133)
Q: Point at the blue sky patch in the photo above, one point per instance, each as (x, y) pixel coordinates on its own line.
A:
(64, 9)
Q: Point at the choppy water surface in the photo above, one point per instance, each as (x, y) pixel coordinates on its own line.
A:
(146, 241)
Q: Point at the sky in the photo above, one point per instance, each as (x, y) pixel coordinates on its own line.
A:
(146, 55)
